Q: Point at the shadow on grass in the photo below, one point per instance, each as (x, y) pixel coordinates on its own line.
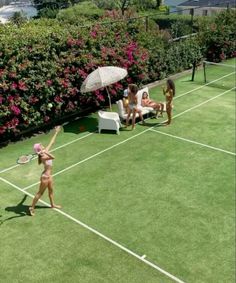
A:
(154, 124)
(20, 210)
(85, 124)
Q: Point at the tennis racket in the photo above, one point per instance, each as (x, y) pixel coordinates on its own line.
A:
(23, 159)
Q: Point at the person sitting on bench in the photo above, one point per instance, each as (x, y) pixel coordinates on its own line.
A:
(158, 106)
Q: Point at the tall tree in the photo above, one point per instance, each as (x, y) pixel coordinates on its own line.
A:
(158, 3)
(123, 5)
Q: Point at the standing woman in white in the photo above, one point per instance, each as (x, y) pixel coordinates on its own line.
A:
(133, 105)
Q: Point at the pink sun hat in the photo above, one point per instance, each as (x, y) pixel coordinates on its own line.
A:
(37, 148)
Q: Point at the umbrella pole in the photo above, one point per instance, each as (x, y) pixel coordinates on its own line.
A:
(109, 99)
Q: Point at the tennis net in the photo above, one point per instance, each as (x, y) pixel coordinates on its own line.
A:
(219, 75)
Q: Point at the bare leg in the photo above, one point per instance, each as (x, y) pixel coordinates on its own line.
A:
(141, 116)
(162, 107)
(51, 196)
(157, 108)
(42, 188)
(127, 119)
(168, 111)
(133, 118)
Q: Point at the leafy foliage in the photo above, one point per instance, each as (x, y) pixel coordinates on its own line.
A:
(44, 62)
(218, 37)
(85, 12)
(18, 18)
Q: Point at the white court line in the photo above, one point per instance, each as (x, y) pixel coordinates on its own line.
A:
(203, 85)
(206, 101)
(115, 145)
(141, 258)
(14, 166)
(194, 142)
(90, 157)
(56, 148)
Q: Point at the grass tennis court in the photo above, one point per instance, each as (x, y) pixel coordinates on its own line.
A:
(156, 204)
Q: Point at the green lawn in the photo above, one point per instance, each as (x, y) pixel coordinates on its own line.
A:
(164, 192)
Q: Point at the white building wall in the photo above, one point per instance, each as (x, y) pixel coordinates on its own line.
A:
(203, 11)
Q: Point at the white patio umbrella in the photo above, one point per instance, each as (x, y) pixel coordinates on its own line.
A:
(103, 77)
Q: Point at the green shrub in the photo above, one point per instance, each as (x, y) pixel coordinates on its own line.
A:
(44, 62)
(218, 37)
(18, 18)
(48, 13)
(85, 12)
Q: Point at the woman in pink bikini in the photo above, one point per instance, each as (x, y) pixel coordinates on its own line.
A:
(45, 158)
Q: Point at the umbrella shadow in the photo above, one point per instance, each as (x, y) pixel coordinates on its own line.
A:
(20, 210)
(85, 124)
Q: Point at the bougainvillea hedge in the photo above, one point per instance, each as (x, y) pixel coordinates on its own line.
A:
(44, 62)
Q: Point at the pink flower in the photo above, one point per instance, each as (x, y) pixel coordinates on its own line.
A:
(2, 130)
(113, 91)
(38, 86)
(10, 98)
(99, 96)
(82, 73)
(144, 56)
(14, 85)
(33, 99)
(58, 99)
(15, 110)
(1, 72)
(73, 91)
(65, 83)
(67, 70)
(73, 69)
(49, 82)
(141, 76)
(79, 42)
(46, 119)
(70, 106)
(130, 56)
(71, 42)
(118, 85)
(93, 34)
(222, 56)
(12, 75)
(22, 86)
(12, 124)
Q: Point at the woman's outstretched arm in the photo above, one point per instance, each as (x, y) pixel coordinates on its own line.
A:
(57, 130)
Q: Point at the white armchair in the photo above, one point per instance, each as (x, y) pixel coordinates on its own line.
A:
(108, 121)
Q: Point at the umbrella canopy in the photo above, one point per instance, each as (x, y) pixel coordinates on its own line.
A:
(103, 77)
